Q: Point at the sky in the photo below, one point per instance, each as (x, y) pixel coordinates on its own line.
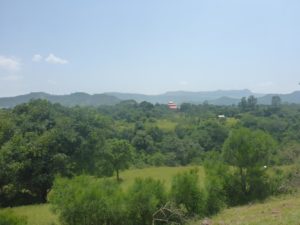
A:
(150, 47)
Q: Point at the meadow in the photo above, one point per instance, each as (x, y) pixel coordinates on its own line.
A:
(283, 210)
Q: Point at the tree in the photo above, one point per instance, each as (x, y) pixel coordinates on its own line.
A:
(252, 102)
(249, 151)
(143, 141)
(118, 153)
(276, 102)
(243, 104)
(249, 104)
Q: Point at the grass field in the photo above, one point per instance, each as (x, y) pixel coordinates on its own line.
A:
(165, 125)
(284, 210)
(162, 173)
(37, 214)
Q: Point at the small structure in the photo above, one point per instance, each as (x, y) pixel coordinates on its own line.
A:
(221, 116)
(172, 105)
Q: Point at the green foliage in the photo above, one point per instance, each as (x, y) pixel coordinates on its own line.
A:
(144, 198)
(216, 178)
(247, 149)
(9, 218)
(276, 102)
(289, 153)
(142, 141)
(249, 104)
(117, 155)
(84, 200)
(39, 140)
(249, 152)
(186, 192)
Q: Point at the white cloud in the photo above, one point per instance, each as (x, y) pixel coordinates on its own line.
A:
(55, 60)
(37, 58)
(10, 64)
(11, 78)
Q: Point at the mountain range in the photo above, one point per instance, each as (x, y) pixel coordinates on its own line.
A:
(219, 97)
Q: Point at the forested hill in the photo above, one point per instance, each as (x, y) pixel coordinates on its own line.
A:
(80, 99)
(220, 97)
(189, 96)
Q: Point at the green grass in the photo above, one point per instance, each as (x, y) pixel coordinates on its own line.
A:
(284, 210)
(37, 214)
(165, 125)
(162, 173)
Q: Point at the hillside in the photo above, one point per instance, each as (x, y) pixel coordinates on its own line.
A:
(293, 97)
(219, 97)
(282, 210)
(187, 96)
(74, 99)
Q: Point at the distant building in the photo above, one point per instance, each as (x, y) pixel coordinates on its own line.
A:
(221, 116)
(172, 105)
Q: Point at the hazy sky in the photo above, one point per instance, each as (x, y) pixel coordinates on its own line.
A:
(153, 46)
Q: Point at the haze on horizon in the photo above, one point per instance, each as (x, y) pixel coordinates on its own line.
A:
(149, 47)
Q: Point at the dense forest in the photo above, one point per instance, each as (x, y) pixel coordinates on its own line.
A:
(41, 142)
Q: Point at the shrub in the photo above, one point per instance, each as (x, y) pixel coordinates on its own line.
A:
(144, 198)
(185, 191)
(86, 200)
(216, 176)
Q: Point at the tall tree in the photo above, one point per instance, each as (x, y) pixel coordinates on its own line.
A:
(252, 102)
(249, 151)
(118, 153)
(276, 102)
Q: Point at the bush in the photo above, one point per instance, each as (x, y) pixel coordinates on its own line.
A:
(89, 201)
(185, 191)
(85, 200)
(216, 176)
(8, 218)
(144, 198)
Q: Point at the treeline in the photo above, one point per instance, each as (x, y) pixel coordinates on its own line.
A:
(39, 140)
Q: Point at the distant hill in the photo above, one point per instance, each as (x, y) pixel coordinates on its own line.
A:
(187, 96)
(80, 99)
(293, 97)
(225, 101)
(220, 97)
